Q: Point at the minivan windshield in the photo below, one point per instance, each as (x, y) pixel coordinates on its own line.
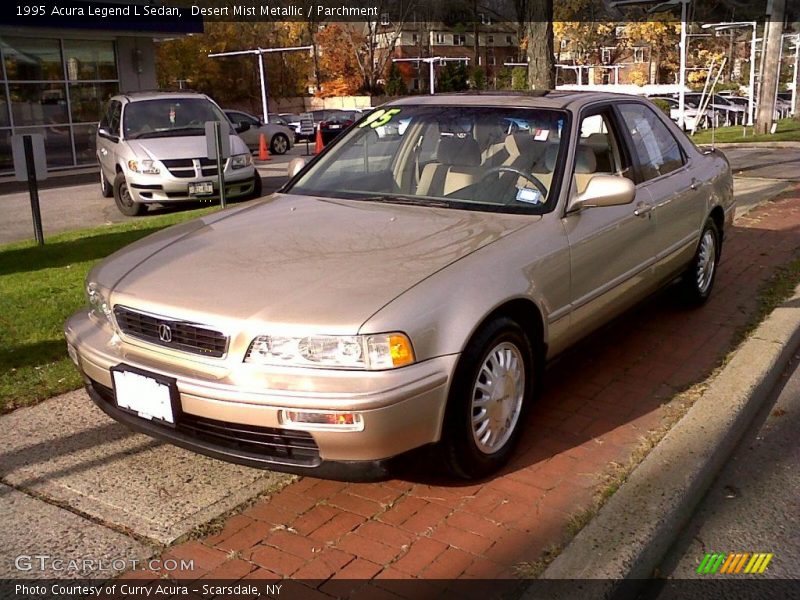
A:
(163, 117)
(487, 158)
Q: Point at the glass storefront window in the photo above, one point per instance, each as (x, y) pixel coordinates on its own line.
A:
(85, 149)
(31, 59)
(57, 144)
(87, 100)
(38, 103)
(6, 160)
(89, 60)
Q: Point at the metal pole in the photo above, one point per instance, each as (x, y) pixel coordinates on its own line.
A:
(220, 164)
(432, 78)
(33, 188)
(794, 75)
(263, 87)
(682, 76)
(751, 105)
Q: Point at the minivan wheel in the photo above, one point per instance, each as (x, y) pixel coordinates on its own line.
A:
(106, 189)
(698, 279)
(257, 190)
(279, 144)
(491, 391)
(123, 198)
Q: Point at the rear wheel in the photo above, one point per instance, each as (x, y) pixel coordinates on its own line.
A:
(698, 280)
(492, 388)
(123, 199)
(279, 144)
(106, 189)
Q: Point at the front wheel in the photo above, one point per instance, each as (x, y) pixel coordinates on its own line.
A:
(123, 199)
(257, 188)
(492, 388)
(698, 280)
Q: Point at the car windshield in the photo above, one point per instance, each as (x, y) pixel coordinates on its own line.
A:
(169, 116)
(461, 157)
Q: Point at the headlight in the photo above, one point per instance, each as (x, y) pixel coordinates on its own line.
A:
(240, 161)
(98, 300)
(146, 167)
(372, 352)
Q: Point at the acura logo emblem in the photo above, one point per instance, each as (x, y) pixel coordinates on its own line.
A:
(164, 333)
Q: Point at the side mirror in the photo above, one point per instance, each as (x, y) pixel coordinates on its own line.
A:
(106, 133)
(605, 190)
(295, 166)
(241, 127)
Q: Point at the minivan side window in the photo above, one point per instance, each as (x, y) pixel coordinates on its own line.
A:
(114, 113)
(656, 148)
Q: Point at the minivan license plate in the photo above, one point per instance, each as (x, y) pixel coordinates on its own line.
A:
(203, 188)
(145, 396)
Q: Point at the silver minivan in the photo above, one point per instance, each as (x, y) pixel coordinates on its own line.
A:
(151, 148)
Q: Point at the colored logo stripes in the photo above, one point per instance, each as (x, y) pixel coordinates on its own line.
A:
(735, 563)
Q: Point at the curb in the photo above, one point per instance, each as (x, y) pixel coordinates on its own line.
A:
(633, 530)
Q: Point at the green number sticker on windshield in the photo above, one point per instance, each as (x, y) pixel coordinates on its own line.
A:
(380, 117)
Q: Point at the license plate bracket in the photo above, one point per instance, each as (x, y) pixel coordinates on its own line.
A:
(147, 395)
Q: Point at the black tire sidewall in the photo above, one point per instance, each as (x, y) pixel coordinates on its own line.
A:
(131, 211)
(462, 457)
(257, 186)
(690, 278)
(106, 189)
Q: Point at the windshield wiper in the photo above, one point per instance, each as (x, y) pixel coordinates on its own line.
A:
(407, 200)
(167, 132)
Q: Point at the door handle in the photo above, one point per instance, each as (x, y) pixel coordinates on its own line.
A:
(694, 184)
(642, 209)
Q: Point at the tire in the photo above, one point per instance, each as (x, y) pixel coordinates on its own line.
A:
(123, 200)
(106, 189)
(279, 144)
(473, 449)
(698, 279)
(257, 191)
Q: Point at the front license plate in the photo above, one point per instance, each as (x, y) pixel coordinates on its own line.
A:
(147, 396)
(203, 188)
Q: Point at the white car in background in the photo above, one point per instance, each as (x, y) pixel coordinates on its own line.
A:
(279, 137)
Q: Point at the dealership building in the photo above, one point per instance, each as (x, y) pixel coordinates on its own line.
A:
(55, 80)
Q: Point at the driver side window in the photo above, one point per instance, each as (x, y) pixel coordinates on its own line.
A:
(598, 151)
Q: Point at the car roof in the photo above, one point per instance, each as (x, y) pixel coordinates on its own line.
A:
(564, 99)
(157, 95)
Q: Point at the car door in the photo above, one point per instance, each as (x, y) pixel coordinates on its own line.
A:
(251, 136)
(612, 247)
(108, 132)
(675, 184)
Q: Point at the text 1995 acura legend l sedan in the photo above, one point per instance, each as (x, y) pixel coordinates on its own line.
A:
(406, 287)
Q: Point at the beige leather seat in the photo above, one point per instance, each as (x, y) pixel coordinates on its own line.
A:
(458, 166)
(585, 166)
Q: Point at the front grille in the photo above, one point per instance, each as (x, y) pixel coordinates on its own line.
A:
(188, 337)
(184, 167)
(297, 447)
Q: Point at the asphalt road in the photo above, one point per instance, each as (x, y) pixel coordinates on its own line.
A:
(753, 505)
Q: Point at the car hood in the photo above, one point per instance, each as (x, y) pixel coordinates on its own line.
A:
(323, 264)
(188, 146)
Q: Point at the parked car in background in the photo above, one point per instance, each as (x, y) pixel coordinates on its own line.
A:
(334, 122)
(731, 113)
(404, 291)
(279, 138)
(690, 114)
(151, 147)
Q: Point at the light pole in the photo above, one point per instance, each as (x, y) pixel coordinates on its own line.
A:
(794, 74)
(259, 52)
(660, 6)
(751, 104)
(431, 60)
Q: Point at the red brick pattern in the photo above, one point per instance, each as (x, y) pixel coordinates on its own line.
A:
(596, 406)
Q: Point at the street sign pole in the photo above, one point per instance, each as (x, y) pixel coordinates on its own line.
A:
(220, 163)
(33, 188)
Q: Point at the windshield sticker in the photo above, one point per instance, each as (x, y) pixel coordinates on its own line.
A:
(529, 195)
(172, 115)
(379, 118)
(541, 135)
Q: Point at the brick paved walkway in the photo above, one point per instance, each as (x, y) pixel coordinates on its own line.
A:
(596, 406)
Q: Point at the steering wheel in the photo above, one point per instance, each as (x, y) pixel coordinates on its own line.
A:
(527, 176)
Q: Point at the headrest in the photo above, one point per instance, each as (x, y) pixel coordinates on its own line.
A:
(519, 143)
(488, 133)
(597, 140)
(585, 160)
(459, 152)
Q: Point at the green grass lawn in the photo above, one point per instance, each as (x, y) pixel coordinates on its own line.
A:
(39, 288)
(788, 131)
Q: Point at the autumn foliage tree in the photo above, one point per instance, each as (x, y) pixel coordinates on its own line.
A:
(339, 68)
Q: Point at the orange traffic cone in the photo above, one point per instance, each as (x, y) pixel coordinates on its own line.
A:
(263, 152)
(319, 145)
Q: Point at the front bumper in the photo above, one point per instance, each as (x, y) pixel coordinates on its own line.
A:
(163, 189)
(401, 409)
